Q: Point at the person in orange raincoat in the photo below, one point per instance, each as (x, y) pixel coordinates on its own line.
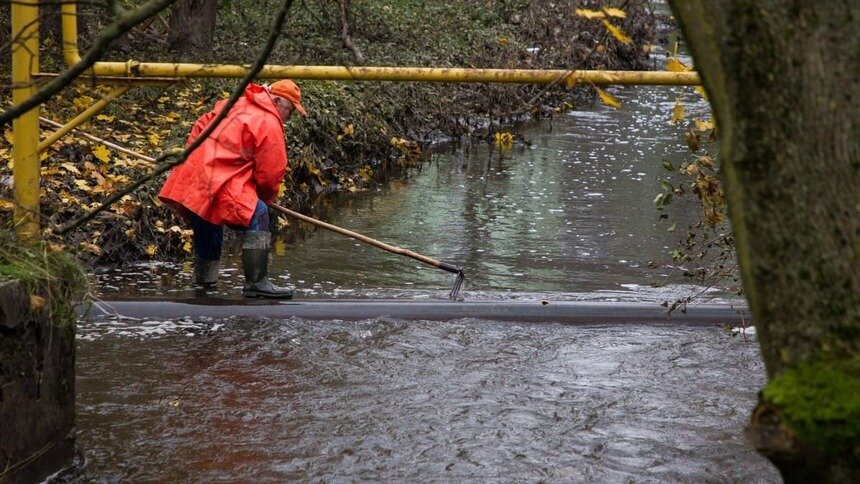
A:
(229, 180)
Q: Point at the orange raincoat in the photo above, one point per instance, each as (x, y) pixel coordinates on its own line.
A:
(243, 160)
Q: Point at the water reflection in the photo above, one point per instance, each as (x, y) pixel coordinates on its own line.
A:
(568, 213)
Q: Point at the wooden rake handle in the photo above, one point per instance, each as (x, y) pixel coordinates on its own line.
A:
(445, 266)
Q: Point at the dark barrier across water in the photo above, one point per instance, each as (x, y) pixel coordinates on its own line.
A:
(565, 312)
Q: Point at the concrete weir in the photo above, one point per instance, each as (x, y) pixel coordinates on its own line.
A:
(532, 311)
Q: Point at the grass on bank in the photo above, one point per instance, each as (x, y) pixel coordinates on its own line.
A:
(51, 278)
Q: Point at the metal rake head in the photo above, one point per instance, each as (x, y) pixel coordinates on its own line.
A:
(458, 284)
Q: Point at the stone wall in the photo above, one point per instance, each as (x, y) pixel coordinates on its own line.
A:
(37, 388)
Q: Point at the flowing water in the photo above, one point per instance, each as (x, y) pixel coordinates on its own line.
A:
(567, 216)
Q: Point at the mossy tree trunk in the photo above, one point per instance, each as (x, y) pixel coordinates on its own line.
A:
(782, 77)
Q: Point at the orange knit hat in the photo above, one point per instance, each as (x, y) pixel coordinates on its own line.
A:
(288, 90)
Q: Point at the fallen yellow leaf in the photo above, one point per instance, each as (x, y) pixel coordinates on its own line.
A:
(151, 250)
(36, 302)
(608, 99)
(93, 248)
(101, 152)
(83, 185)
(82, 102)
(704, 125)
(280, 248)
(68, 166)
(365, 172)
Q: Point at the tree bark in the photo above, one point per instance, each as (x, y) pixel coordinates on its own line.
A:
(782, 79)
(191, 27)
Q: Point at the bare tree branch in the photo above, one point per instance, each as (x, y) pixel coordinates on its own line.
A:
(181, 156)
(96, 52)
(344, 32)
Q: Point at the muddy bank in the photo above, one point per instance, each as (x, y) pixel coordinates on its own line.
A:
(358, 134)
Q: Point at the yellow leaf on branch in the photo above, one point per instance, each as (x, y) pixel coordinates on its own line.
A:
(615, 12)
(151, 250)
(504, 140)
(608, 99)
(587, 13)
(616, 32)
(678, 113)
(675, 65)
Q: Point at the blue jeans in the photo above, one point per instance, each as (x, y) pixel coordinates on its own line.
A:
(208, 237)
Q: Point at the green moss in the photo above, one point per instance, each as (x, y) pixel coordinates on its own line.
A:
(820, 402)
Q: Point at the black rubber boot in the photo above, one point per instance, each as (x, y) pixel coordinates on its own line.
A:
(255, 263)
(206, 272)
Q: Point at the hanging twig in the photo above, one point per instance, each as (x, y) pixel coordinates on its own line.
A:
(180, 156)
(344, 32)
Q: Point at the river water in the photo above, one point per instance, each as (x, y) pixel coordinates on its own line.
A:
(566, 217)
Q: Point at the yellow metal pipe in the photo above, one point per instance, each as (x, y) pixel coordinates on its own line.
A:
(25, 128)
(91, 111)
(134, 69)
(414, 74)
(69, 21)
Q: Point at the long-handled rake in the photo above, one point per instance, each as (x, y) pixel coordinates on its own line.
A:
(445, 266)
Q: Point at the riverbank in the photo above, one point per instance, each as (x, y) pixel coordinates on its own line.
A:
(357, 134)
(38, 294)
